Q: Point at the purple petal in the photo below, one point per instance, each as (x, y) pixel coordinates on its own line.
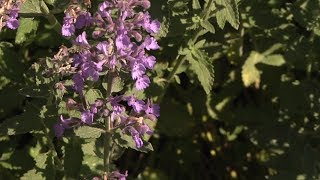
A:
(142, 82)
(14, 12)
(135, 136)
(89, 70)
(151, 43)
(99, 65)
(87, 117)
(78, 83)
(137, 70)
(136, 104)
(153, 109)
(77, 60)
(104, 5)
(122, 40)
(82, 39)
(83, 20)
(143, 129)
(119, 176)
(153, 27)
(68, 30)
(149, 62)
(138, 141)
(12, 23)
(58, 130)
(103, 47)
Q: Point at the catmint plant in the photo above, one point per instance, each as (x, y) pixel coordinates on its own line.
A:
(107, 45)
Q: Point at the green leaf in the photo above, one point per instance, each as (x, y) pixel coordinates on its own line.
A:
(178, 8)
(31, 7)
(44, 161)
(196, 4)
(7, 106)
(117, 85)
(208, 26)
(88, 148)
(29, 121)
(202, 67)
(227, 11)
(126, 141)
(250, 74)
(200, 44)
(26, 30)
(177, 78)
(92, 95)
(32, 174)
(73, 158)
(92, 164)
(274, 60)
(88, 132)
(11, 65)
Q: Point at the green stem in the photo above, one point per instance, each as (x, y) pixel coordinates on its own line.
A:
(51, 145)
(107, 146)
(178, 62)
(107, 135)
(50, 17)
(310, 58)
(181, 59)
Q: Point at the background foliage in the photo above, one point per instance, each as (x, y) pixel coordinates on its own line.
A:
(242, 103)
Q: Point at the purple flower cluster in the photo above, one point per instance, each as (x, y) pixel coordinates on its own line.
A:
(116, 175)
(113, 39)
(125, 44)
(133, 123)
(9, 13)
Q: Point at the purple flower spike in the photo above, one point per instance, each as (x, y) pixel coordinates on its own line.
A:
(123, 38)
(115, 175)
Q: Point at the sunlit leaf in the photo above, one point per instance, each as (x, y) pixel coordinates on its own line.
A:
(227, 11)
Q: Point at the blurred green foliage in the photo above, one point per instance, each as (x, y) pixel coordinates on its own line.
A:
(242, 104)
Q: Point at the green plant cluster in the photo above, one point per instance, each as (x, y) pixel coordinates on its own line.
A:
(237, 82)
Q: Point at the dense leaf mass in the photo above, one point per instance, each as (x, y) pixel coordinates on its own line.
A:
(237, 82)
